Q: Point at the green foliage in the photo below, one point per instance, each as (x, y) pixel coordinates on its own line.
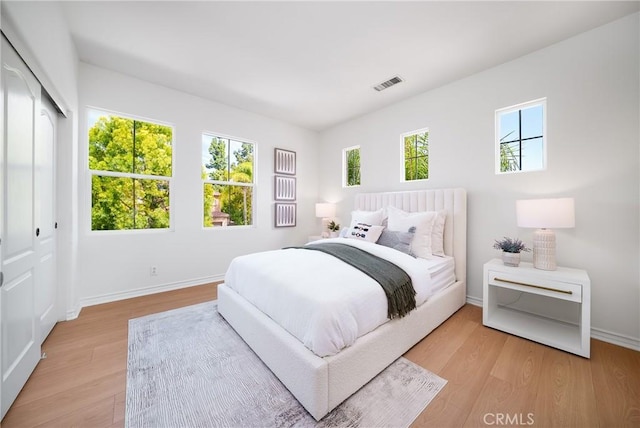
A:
(230, 162)
(218, 161)
(208, 200)
(508, 156)
(122, 145)
(333, 226)
(353, 167)
(509, 245)
(416, 156)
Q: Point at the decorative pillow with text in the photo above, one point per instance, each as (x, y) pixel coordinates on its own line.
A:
(364, 231)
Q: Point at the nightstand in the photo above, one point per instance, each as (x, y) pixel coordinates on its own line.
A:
(563, 286)
(314, 238)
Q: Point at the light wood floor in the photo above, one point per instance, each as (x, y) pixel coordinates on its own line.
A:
(494, 379)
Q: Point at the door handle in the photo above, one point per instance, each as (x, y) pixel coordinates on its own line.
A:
(37, 231)
(1, 278)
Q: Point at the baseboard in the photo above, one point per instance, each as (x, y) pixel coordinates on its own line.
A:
(73, 313)
(616, 339)
(596, 333)
(474, 301)
(144, 291)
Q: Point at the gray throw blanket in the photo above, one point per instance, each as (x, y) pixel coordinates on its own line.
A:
(395, 282)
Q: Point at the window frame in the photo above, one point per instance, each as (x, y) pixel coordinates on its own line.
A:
(253, 185)
(519, 107)
(345, 166)
(403, 171)
(90, 173)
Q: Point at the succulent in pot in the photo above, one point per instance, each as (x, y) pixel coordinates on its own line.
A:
(333, 228)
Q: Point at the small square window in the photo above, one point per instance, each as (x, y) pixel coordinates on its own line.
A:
(415, 155)
(351, 166)
(521, 137)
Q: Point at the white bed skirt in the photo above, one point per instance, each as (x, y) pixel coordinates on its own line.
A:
(321, 384)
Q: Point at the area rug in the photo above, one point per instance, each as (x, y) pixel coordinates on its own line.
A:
(188, 368)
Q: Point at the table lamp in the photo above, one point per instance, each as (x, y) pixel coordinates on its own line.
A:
(325, 211)
(545, 215)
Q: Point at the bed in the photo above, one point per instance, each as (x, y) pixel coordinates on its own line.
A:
(322, 383)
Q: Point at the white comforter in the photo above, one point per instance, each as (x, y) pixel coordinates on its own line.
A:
(324, 302)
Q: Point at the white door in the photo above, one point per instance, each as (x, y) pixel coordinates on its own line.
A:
(44, 197)
(20, 339)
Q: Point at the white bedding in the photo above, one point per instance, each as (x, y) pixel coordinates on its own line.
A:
(324, 302)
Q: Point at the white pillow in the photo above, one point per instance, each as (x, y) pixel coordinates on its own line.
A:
(364, 231)
(370, 217)
(437, 234)
(423, 222)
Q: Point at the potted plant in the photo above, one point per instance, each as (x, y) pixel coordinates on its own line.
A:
(511, 249)
(333, 229)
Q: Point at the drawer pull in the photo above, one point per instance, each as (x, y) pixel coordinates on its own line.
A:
(534, 286)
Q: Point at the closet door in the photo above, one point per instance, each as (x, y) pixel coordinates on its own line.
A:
(20, 337)
(44, 197)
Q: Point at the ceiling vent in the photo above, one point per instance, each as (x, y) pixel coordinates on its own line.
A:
(389, 83)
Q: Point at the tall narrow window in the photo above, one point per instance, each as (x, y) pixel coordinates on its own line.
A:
(521, 137)
(415, 155)
(228, 181)
(130, 163)
(351, 166)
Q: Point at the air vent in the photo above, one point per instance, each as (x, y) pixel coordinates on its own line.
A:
(389, 83)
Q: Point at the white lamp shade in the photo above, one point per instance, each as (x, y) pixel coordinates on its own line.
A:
(546, 213)
(325, 210)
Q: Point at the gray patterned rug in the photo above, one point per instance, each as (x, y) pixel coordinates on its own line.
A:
(188, 368)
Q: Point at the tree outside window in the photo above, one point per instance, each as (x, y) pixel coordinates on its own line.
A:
(520, 135)
(227, 174)
(351, 166)
(416, 155)
(130, 163)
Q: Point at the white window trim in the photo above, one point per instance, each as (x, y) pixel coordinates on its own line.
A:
(521, 106)
(254, 185)
(89, 173)
(344, 167)
(402, 159)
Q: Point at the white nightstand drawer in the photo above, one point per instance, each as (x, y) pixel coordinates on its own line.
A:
(571, 287)
(537, 285)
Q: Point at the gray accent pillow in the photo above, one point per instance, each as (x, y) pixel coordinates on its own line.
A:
(400, 241)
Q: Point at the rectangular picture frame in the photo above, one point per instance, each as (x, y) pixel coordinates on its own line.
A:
(284, 188)
(284, 162)
(285, 215)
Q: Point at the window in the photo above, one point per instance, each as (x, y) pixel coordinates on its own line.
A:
(228, 181)
(130, 165)
(351, 166)
(415, 155)
(520, 137)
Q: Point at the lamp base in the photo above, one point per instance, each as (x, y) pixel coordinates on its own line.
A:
(325, 227)
(544, 249)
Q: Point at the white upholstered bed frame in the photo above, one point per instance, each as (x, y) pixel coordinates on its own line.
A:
(322, 383)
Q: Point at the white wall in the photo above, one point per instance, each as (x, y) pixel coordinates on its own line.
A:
(116, 265)
(592, 89)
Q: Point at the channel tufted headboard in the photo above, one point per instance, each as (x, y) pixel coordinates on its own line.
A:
(453, 200)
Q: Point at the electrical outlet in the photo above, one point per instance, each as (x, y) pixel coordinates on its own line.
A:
(154, 270)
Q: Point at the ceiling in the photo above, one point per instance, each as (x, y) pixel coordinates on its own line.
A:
(314, 64)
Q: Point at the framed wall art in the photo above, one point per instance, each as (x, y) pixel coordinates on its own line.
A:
(285, 215)
(284, 188)
(284, 162)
